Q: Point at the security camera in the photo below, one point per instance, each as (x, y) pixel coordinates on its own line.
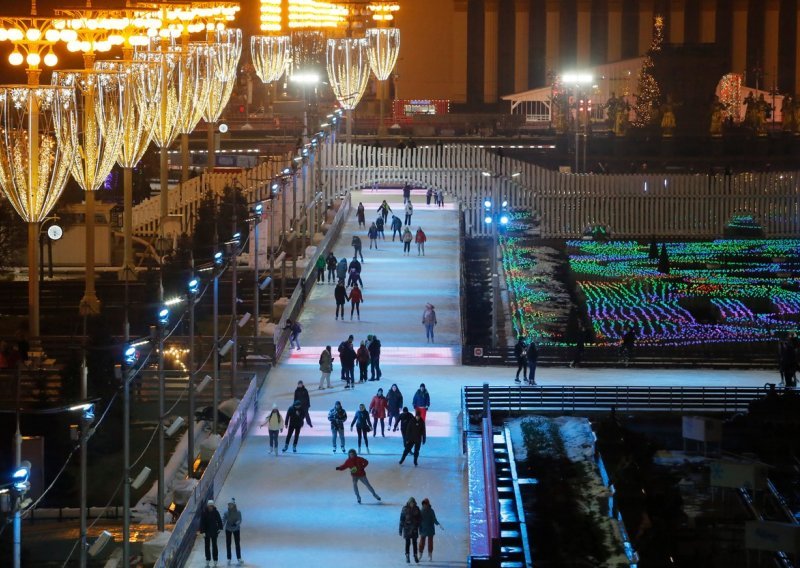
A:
(225, 348)
(141, 478)
(265, 283)
(100, 543)
(244, 319)
(203, 384)
(174, 427)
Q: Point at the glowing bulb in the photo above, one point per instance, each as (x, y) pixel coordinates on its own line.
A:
(33, 34)
(3, 34)
(52, 35)
(15, 58)
(15, 35)
(68, 35)
(73, 46)
(50, 59)
(86, 46)
(33, 59)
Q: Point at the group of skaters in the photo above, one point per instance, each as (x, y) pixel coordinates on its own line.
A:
(212, 523)
(401, 229)
(346, 276)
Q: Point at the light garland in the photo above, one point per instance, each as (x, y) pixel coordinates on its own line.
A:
(649, 97)
(270, 56)
(383, 48)
(348, 70)
(228, 49)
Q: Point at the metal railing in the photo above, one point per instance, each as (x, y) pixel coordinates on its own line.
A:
(490, 484)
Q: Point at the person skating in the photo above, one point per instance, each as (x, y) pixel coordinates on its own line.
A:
(409, 212)
(377, 408)
(420, 239)
(360, 215)
(337, 416)
(362, 356)
(274, 423)
(210, 525)
(340, 295)
(232, 522)
(301, 394)
(347, 358)
(294, 423)
(406, 192)
(415, 438)
(354, 265)
(397, 227)
(428, 195)
(407, 238)
(330, 262)
(532, 356)
(384, 210)
(522, 361)
(374, 347)
(356, 465)
(362, 423)
(422, 400)
(354, 278)
(379, 224)
(356, 244)
(440, 198)
(394, 402)
(403, 421)
(325, 368)
(356, 298)
(427, 528)
(372, 233)
(320, 264)
(429, 321)
(341, 269)
(294, 329)
(410, 517)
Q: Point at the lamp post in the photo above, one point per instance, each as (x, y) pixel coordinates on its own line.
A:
(218, 261)
(192, 289)
(579, 81)
(495, 216)
(257, 211)
(163, 320)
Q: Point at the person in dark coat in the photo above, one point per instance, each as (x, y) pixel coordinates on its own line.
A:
(522, 361)
(402, 421)
(354, 264)
(360, 215)
(410, 518)
(394, 402)
(422, 400)
(357, 465)
(379, 224)
(580, 345)
(384, 210)
(330, 262)
(428, 195)
(427, 528)
(301, 394)
(363, 425)
(210, 525)
(354, 278)
(294, 423)
(414, 438)
(347, 359)
(397, 227)
(532, 355)
(374, 347)
(372, 233)
(340, 295)
(362, 356)
(356, 244)
(337, 416)
(788, 361)
(406, 192)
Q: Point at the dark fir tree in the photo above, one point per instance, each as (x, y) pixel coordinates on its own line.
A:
(653, 254)
(663, 260)
(12, 234)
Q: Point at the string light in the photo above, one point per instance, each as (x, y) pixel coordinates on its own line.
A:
(348, 70)
(649, 97)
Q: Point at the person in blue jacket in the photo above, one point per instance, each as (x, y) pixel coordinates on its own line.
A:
(422, 400)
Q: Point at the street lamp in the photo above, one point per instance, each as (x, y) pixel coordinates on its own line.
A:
(495, 218)
(163, 321)
(258, 211)
(192, 289)
(579, 81)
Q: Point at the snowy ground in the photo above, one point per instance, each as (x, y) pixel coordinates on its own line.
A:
(297, 509)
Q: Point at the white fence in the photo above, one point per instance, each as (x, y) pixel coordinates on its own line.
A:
(630, 205)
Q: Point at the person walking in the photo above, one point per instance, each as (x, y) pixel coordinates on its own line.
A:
(377, 408)
(294, 329)
(410, 518)
(347, 357)
(362, 356)
(409, 212)
(320, 264)
(210, 525)
(422, 400)
(357, 466)
(397, 227)
(356, 244)
(522, 361)
(428, 195)
(330, 262)
(232, 522)
(340, 295)
(379, 224)
(337, 416)
(274, 423)
(427, 527)
(372, 233)
(787, 361)
(627, 345)
(341, 269)
(407, 238)
(429, 321)
(415, 437)
(301, 394)
(325, 368)
(394, 402)
(294, 423)
(374, 347)
(362, 423)
(440, 197)
(532, 355)
(580, 345)
(420, 239)
(356, 297)
(406, 192)
(384, 210)
(360, 215)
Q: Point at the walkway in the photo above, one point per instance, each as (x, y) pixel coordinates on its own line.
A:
(299, 511)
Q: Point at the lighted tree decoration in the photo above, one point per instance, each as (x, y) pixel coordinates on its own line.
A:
(348, 73)
(649, 98)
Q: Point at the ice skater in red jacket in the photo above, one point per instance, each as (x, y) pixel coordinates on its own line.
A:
(356, 464)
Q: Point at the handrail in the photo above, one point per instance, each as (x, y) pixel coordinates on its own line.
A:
(490, 485)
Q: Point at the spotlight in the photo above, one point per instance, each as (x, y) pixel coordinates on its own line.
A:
(131, 355)
(505, 203)
(225, 348)
(20, 477)
(174, 427)
(141, 478)
(244, 319)
(487, 203)
(487, 220)
(193, 286)
(100, 543)
(504, 220)
(163, 316)
(218, 258)
(264, 283)
(259, 208)
(203, 384)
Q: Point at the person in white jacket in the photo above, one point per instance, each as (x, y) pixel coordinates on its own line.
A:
(409, 211)
(275, 423)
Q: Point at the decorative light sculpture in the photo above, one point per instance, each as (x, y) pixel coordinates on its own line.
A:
(228, 46)
(33, 40)
(383, 47)
(96, 143)
(34, 166)
(270, 56)
(348, 73)
(196, 78)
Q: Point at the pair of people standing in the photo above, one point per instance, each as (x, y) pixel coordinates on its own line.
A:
(211, 524)
(527, 358)
(416, 523)
(355, 297)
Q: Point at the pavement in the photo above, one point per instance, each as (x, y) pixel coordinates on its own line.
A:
(297, 509)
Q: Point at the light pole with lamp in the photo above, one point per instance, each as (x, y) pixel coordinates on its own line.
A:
(192, 290)
(163, 320)
(257, 212)
(579, 81)
(496, 218)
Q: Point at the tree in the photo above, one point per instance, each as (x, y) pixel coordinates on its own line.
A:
(205, 224)
(663, 260)
(231, 196)
(12, 234)
(649, 98)
(653, 254)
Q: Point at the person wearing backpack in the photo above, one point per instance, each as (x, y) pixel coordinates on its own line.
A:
(373, 236)
(397, 227)
(294, 328)
(341, 270)
(420, 239)
(330, 262)
(356, 244)
(407, 238)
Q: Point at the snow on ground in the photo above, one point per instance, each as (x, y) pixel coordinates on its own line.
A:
(297, 509)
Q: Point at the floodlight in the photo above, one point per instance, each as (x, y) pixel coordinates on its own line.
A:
(141, 478)
(244, 319)
(504, 220)
(505, 203)
(486, 174)
(174, 427)
(487, 220)
(100, 543)
(193, 286)
(487, 203)
(218, 258)
(264, 283)
(163, 316)
(259, 208)
(130, 355)
(203, 384)
(225, 348)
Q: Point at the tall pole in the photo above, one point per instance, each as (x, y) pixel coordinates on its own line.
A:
(271, 254)
(184, 158)
(18, 464)
(190, 426)
(216, 349)
(160, 500)
(163, 165)
(127, 222)
(256, 289)
(294, 223)
(84, 442)
(283, 239)
(495, 275)
(33, 280)
(211, 158)
(349, 114)
(234, 324)
(126, 457)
